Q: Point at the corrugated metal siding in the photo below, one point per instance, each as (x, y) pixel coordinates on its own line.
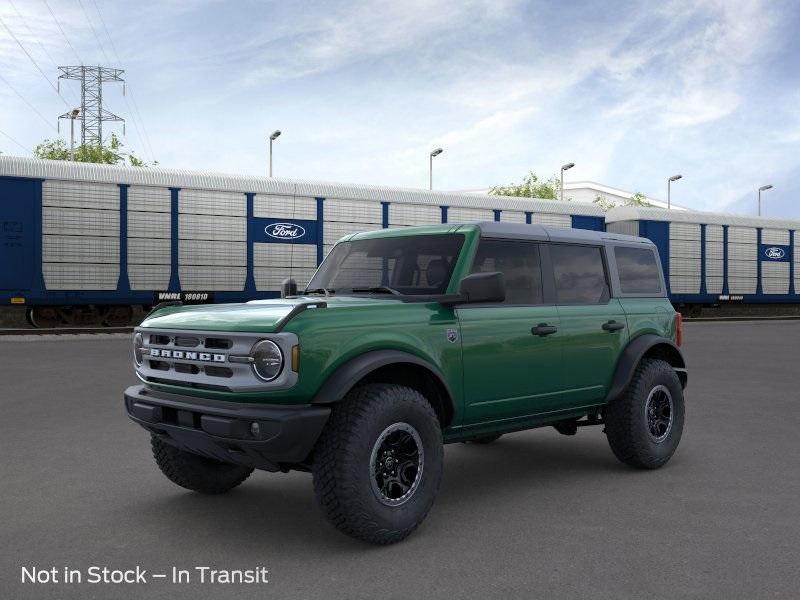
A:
(149, 199)
(202, 252)
(513, 216)
(553, 220)
(80, 235)
(684, 258)
(460, 214)
(210, 227)
(148, 238)
(77, 276)
(414, 214)
(149, 244)
(284, 207)
(625, 227)
(205, 202)
(212, 234)
(634, 213)
(211, 278)
(353, 211)
(165, 178)
(742, 260)
(78, 194)
(149, 277)
(774, 277)
(775, 236)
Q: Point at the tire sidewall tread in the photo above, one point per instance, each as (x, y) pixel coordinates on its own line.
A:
(626, 426)
(341, 462)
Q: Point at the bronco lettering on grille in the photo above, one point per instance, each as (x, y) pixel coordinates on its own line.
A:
(182, 354)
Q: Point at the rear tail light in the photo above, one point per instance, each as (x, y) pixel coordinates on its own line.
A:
(678, 329)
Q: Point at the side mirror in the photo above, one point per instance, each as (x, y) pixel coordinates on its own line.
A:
(288, 288)
(482, 287)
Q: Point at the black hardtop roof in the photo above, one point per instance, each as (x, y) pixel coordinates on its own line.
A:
(522, 231)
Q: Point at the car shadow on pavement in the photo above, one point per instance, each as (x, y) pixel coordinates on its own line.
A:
(278, 511)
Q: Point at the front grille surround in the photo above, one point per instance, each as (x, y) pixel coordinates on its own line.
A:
(201, 359)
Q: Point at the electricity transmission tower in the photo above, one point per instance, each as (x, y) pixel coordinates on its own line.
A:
(92, 114)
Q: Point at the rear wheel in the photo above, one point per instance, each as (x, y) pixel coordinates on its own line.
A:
(644, 425)
(195, 472)
(378, 463)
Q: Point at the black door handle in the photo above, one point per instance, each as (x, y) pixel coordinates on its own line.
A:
(613, 326)
(543, 329)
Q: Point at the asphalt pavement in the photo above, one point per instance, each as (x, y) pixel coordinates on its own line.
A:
(535, 515)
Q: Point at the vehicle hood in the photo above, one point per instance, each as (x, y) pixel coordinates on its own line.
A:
(261, 316)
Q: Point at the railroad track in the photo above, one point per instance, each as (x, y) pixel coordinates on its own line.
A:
(64, 330)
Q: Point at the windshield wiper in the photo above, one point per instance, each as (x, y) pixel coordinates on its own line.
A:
(325, 291)
(378, 289)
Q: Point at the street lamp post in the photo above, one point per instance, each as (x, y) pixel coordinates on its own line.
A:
(669, 183)
(435, 152)
(72, 116)
(272, 138)
(565, 167)
(763, 188)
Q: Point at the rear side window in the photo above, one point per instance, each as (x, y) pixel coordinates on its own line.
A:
(579, 273)
(519, 264)
(638, 270)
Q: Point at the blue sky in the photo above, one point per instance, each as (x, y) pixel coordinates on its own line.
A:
(632, 92)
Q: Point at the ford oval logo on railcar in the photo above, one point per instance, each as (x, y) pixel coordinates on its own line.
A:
(774, 253)
(285, 231)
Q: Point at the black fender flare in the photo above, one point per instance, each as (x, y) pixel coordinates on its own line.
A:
(354, 370)
(633, 354)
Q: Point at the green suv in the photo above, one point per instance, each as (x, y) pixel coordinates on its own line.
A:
(405, 340)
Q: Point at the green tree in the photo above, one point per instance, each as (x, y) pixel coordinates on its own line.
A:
(638, 199)
(604, 202)
(110, 154)
(530, 187)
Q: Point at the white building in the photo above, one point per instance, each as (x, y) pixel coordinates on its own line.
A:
(588, 191)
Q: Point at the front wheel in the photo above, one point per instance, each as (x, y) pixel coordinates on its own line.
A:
(644, 425)
(378, 463)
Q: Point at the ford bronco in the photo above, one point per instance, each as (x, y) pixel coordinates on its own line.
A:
(405, 340)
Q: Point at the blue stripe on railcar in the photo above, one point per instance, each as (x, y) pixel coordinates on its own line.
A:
(584, 222)
(174, 274)
(250, 279)
(20, 234)
(123, 285)
(658, 233)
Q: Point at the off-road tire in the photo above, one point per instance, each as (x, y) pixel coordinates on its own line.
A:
(195, 472)
(341, 468)
(626, 423)
(486, 439)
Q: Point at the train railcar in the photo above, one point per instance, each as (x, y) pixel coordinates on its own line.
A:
(85, 243)
(712, 258)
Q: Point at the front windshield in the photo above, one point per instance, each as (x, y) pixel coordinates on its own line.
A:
(408, 265)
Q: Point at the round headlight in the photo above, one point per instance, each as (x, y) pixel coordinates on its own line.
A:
(138, 348)
(267, 360)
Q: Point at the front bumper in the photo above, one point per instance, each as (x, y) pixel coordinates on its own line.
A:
(225, 430)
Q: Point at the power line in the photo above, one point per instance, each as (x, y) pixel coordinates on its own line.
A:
(96, 37)
(135, 112)
(15, 141)
(32, 107)
(66, 39)
(35, 64)
(33, 36)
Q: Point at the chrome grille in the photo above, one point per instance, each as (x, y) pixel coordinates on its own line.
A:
(203, 359)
